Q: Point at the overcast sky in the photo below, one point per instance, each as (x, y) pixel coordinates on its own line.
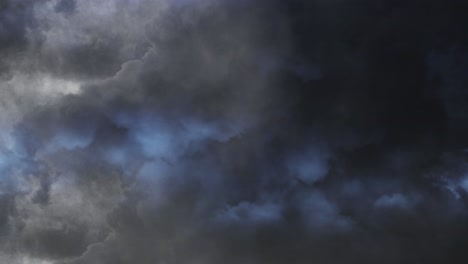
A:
(233, 131)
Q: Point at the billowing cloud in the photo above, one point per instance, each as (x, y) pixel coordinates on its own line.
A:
(200, 131)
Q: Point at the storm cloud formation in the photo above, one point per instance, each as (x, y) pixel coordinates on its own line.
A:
(208, 131)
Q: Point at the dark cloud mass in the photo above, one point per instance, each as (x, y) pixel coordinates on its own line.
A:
(203, 131)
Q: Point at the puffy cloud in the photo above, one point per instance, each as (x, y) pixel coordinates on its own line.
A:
(137, 131)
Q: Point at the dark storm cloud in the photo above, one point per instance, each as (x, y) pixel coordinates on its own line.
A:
(66, 6)
(253, 132)
(15, 18)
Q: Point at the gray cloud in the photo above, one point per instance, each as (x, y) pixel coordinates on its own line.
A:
(137, 131)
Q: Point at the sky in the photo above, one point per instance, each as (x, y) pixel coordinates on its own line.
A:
(236, 132)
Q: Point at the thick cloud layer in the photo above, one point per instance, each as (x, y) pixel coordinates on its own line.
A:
(203, 131)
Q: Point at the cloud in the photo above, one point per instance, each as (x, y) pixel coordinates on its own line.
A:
(137, 131)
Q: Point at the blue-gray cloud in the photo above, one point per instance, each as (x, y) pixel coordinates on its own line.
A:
(232, 131)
